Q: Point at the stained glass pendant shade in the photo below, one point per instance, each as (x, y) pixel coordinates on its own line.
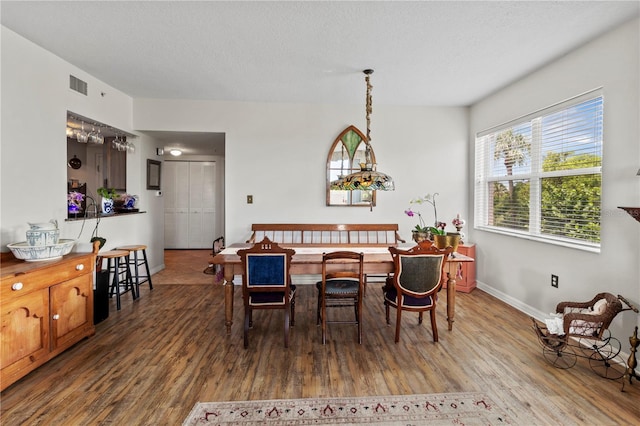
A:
(368, 178)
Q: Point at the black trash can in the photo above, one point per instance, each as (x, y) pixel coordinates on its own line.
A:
(101, 297)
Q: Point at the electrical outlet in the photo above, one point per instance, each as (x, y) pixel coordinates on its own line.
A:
(554, 281)
(249, 199)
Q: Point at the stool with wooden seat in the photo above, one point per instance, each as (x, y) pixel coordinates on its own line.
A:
(119, 267)
(135, 262)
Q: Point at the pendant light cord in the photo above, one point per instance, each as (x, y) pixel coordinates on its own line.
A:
(369, 105)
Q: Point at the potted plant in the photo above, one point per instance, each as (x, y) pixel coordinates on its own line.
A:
(107, 194)
(443, 239)
(74, 202)
(422, 232)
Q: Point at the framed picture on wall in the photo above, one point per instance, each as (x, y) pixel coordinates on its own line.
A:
(153, 174)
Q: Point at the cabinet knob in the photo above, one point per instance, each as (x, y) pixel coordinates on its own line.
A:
(79, 267)
(17, 286)
(56, 317)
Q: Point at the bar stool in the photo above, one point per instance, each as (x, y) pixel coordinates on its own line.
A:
(118, 267)
(135, 262)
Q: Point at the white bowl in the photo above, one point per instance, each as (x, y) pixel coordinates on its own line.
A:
(29, 253)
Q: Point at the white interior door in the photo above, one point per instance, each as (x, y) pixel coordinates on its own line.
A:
(189, 204)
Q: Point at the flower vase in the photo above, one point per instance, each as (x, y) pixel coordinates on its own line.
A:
(107, 205)
(450, 239)
(459, 229)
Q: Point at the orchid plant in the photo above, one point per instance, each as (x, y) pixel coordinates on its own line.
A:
(75, 198)
(438, 228)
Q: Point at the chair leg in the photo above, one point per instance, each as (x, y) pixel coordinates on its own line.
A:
(434, 327)
(318, 319)
(146, 265)
(359, 309)
(323, 316)
(287, 318)
(355, 309)
(116, 279)
(293, 311)
(419, 317)
(398, 320)
(247, 315)
(386, 308)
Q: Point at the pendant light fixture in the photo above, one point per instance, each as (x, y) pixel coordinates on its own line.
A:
(368, 178)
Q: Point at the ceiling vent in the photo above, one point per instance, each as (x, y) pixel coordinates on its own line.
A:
(77, 85)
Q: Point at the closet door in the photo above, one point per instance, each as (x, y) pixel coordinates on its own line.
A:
(176, 204)
(189, 189)
(201, 204)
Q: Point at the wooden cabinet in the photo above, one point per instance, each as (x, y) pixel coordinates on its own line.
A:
(466, 276)
(46, 308)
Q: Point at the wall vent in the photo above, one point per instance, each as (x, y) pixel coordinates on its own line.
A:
(77, 85)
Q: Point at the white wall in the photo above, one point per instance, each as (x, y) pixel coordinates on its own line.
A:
(275, 152)
(278, 153)
(519, 270)
(33, 150)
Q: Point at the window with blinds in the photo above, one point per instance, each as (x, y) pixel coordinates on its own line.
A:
(539, 176)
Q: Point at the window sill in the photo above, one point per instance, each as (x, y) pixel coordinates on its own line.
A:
(590, 247)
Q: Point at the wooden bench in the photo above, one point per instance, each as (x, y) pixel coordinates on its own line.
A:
(329, 234)
(347, 235)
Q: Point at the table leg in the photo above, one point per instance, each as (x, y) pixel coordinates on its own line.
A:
(451, 293)
(228, 299)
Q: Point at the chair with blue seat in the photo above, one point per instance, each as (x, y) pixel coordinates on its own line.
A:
(266, 283)
(342, 285)
(418, 276)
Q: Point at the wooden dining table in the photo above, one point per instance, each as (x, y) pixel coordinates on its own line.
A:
(308, 261)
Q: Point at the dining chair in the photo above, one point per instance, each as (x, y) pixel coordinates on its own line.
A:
(266, 283)
(342, 285)
(418, 276)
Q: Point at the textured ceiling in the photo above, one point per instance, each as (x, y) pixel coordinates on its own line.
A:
(423, 52)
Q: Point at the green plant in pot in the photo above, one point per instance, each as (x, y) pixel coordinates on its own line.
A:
(108, 195)
(443, 239)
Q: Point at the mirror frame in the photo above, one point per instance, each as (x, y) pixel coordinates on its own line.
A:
(154, 170)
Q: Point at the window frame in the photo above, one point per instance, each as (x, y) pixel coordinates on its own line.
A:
(535, 175)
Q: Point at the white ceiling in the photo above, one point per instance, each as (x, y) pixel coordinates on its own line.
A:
(423, 52)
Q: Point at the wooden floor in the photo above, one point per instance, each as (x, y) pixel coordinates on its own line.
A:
(149, 363)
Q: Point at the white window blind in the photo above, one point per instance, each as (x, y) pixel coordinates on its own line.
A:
(539, 176)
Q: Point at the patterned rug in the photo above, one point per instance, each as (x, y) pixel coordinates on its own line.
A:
(434, 409)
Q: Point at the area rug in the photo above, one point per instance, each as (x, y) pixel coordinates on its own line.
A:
(432, 409)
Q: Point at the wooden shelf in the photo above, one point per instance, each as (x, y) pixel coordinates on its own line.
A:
(633, 211)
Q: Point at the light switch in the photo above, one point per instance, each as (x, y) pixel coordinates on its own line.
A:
(249, 199)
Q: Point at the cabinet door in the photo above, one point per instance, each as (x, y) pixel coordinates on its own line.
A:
(25, 334)
(71, 311)
(466, 277)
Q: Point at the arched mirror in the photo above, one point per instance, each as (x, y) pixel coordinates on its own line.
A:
(345, 156)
